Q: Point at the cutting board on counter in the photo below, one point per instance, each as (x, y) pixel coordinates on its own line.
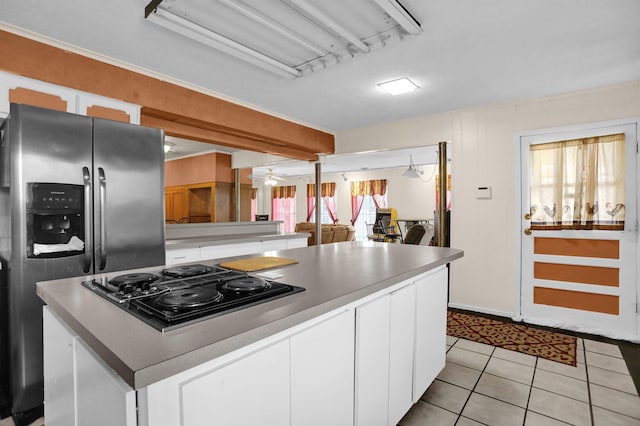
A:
(257, 263)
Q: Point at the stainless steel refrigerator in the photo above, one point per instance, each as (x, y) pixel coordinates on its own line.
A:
(78, 196)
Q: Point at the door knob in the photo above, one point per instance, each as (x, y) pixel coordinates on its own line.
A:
(527, 231)
(527, 216)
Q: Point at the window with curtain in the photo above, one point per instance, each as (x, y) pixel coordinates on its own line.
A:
(328, 205)
(283, 206)
(366, 197)
(578, 184)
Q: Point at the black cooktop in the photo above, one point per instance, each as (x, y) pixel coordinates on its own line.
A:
(182, 295)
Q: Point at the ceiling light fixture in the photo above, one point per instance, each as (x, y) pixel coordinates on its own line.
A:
(168, 147)
(324, 19)
(399, 14)
(412, 171)
(398, 86)
(270, 181)
(219, 42)
(259, 17)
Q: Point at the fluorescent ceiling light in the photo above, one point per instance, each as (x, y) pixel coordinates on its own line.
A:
(399, 86)
(399, 14)
(324, 19)
(168, 146)
(219, 42)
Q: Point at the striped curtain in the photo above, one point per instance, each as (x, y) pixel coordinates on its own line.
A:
(369, 187)
(283, 191)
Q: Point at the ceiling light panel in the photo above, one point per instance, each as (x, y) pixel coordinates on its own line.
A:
(299, 35)
(399, 86)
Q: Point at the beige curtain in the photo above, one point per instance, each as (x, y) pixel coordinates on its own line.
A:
(578, 183)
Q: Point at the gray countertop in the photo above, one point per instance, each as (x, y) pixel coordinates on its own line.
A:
(213, 240)
(333, 275)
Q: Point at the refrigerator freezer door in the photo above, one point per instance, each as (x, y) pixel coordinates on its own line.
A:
(45, 147)
(129, 196)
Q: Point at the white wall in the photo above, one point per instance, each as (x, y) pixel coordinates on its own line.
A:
(483, 154)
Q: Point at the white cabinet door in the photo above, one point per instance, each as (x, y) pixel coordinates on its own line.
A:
(322, 373)
(251, 391)
(228, 250)
(401, 352)
(182, 255)
(59, 407)
(372, 362)
(297, 242)
(431, 325)
(102, 397)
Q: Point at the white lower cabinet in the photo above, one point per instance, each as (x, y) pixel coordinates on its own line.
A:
(322, 373)
(385, 333)
(251, 391)
(372, 362)
(79, 388)
(182, 255)
(401, 352)
(431, 329)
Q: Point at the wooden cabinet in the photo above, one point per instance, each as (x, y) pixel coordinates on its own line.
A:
(322, 361)
(79, 387)
(18, 89)
(175, 205)
(251, 391)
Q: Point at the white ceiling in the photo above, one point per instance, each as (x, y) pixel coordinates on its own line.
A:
(469, 53)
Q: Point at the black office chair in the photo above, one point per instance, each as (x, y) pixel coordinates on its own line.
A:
(415, 234)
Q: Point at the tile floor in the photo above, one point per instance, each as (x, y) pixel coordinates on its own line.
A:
(486, 385)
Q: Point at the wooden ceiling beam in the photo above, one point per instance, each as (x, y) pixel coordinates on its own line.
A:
(33, 59)
(186, 131)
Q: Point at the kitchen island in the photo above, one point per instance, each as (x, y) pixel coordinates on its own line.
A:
(364, 340)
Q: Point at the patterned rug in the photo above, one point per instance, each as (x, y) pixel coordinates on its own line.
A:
(516, 337)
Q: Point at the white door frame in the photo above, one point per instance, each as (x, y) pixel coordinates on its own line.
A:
(518, 175)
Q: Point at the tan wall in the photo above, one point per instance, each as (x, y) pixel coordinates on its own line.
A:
(484, 154)
(190, 170)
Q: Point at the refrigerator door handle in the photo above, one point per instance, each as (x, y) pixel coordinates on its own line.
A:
(103, 225)
(88, 243)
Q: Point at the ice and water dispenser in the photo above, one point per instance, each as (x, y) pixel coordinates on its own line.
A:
(55, 220)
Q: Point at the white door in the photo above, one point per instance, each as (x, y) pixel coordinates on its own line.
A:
(579, 279)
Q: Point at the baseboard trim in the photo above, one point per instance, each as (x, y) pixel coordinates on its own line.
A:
(497, 313)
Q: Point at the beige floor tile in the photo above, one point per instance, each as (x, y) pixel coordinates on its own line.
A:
(602, 417)
(577, 372)
(563, 385)
(474, 346)
(459, 375)
(614, 400)
(535, 419)
(463, 421)
(7, 422)
(510, 370)
(467, 358)
(612, 379)
(503, 389)
(425, 414)
(602, 348)
(515, 356)
(492, 412)
(580, 356)
(451, 340)
(559, 407)
(446, 395)
(607, 362)
(579, 342)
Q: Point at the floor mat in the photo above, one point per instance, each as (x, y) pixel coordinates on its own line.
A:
(516, 337)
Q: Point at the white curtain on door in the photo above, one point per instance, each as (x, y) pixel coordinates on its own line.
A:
(578, 183)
